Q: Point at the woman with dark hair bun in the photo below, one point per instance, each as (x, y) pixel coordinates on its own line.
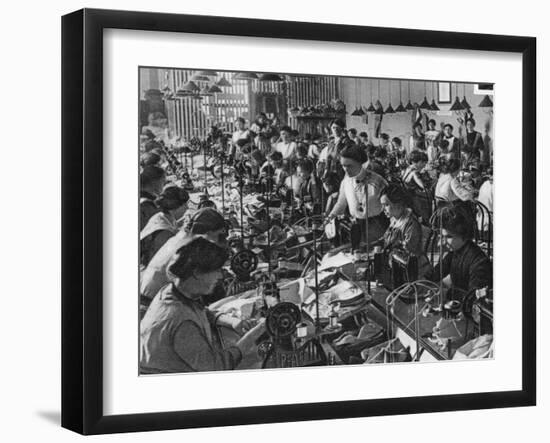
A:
(241, 137)
(264, 132)
(151, 182)
(404, 231)
(449, 188)
(164, 224)
(465, 266)
(178, 332)
(360, 193)
(328, 158)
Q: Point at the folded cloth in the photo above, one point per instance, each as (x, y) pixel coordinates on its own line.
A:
(480, 347)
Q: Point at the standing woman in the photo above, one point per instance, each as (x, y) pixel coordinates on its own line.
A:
(263, 131)
(240, 138)
(328, 158)
(404, 231)
(360, 192)
(416, 186)
(164, 224)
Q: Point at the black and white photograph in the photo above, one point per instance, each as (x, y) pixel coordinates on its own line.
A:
(295, 220)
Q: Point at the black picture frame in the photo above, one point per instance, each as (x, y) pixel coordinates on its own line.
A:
(82, 216)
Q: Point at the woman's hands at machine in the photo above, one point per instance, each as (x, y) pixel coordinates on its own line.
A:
(247, 343)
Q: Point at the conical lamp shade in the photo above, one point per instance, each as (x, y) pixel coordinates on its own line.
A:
(246, 76)
(433, 106)
(360, 111)
(409, 106)
(222, 82)
(457, 106)
(214, 88)
(400, 108)
(389, 110)
(199, 78)
(371, 108)
(354, 113)
(208, 72)
(425, 104)
(486, 102)
(465, 104)
(190, 86)
(271, 78)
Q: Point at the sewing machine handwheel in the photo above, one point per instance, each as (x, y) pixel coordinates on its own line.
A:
(281, 319)
(244, 262)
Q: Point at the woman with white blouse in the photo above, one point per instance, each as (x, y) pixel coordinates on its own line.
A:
(360, 192)
(286, 146)
(448, 187)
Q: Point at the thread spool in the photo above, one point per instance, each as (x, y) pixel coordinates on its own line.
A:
(301, 330)
(333, 320)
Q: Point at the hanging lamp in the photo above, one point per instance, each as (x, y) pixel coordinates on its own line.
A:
(199, 78)
(208, 73)
(400, 108)
(486, 102)
(464, 102)
(433, 106)
(245, 76)
(270, 77)
(425, 105)
(371, 107)
(223, 83)
(457, 106)
(409, 106)
(389, 109)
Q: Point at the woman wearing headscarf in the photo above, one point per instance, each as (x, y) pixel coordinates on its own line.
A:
(178, 333)
(164, 224)
(206, 222)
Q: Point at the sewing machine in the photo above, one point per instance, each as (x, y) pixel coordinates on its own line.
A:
(395, 267)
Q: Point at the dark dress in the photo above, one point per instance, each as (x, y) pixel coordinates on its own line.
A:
(469, 268)
(147, 208)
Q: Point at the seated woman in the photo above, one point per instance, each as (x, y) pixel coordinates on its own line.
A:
(275, 163)
(411, 175)
(257, 160)
(309, 194)
(465, 267)
(164, 224)
(151, 182)
(404, 231)
(177, 332)
(449, 189)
